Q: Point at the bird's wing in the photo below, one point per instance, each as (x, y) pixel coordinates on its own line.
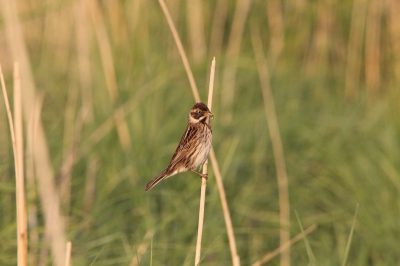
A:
(187, 140)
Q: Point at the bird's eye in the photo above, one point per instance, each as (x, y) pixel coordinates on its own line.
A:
(198, 111)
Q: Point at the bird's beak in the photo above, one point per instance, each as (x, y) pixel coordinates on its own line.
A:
(211, 115)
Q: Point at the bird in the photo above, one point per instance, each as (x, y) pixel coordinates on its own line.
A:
(194, 147)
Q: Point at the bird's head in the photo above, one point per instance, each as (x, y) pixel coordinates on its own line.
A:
(200, 113)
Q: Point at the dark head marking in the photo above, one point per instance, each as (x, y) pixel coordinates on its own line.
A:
(201, 106)
(199, 112)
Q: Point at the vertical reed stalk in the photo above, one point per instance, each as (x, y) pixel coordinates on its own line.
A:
(83, 38)
(68, 254)
(218, 27)
(372, 49)
(196, 29)
(18, 164)
(224, 203)
(20, 182)
(354, 48)
(277, 147)
(105, 48)
(31, 187)
(275, 23)
(65, 173)
(181, 50)
(394, 27)
(319, 53)
(232, 56)
(203, 180)
(108, 68)
(90, 186)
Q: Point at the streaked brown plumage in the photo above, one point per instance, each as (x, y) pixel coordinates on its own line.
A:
(194, 147)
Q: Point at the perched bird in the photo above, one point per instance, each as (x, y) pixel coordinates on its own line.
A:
(194, 147)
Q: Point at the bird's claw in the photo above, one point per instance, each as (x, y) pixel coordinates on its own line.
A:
(204, 176)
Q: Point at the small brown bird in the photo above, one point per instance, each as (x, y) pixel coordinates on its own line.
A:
(194, 147)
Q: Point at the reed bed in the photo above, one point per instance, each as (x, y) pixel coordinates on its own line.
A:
(306, 106)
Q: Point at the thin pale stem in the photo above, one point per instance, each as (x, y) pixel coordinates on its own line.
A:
(225, 209)
(346, 254)
(181, 51)
(21, 239)
(68, 254)
(109, 69)
(20, 182)
(277, 147)
(204, 180)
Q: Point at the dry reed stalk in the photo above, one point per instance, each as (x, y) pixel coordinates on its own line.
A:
(270, 255)
(218, 27)
(181, 50)
(72, 135)
(104, 47)
(54, 224)
(225, 209)
(73, 123)
(201, 215)
(142, 248)
(56, 34)
(211, 86)
(354, 48)
(83, 39)
(394, 27)
(90, 186)
(321, 39)
(218, 178)
(22, 244)
(68, 254)
(231, 61)
(277, 147)
(134, 8)
(117, 23)
(196, 29)
(203, 180)
(31, 189)
(275, 23)
(108, 68)
(372, 49)
(4, 138)
(70, 157)
(69, 144)
(20, 181)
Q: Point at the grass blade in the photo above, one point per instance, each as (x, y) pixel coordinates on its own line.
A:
(346, 253)
(311, 257)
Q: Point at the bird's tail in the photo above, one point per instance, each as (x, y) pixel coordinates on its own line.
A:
(155, 181)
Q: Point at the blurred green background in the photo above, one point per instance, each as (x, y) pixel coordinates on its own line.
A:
(115, 98)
